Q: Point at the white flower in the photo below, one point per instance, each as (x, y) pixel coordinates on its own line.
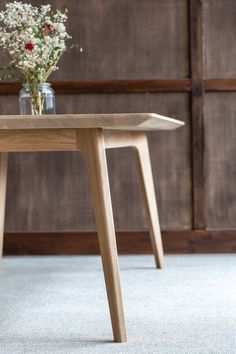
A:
(34, 38)
(59, 27)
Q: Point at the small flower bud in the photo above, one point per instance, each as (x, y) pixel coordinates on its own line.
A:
(29, 46)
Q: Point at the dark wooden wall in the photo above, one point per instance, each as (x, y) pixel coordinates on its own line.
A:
(173, 57)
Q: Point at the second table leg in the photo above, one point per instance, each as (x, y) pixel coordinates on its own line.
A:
(145, 173)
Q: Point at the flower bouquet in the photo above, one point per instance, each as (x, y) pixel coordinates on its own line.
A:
(34, 38)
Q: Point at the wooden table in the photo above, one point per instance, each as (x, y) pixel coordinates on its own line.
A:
(92, 134)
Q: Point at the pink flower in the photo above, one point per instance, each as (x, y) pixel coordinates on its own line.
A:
(30, 46)
(48, 27)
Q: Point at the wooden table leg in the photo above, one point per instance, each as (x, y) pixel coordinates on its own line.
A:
(138, 140)
(91, 142)
(3, 184)
(145, 173)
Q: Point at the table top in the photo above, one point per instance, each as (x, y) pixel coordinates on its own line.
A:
(116, 121)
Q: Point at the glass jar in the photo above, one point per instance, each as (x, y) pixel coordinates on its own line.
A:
(37, 99)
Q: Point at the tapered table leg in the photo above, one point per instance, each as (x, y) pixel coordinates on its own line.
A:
(147, 184)
(92, 143)
(3, 183)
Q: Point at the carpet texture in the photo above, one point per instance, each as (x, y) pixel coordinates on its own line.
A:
(58, 305)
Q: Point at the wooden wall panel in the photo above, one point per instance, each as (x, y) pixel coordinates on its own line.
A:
(136, 41)
(145, 39)
(51, 192)
(219, 120)
(220, 162)
(122, 39)
(219, 33)
(141, 40)
(170, 154)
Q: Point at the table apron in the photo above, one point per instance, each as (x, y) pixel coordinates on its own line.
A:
(38, 140)
(67, 139)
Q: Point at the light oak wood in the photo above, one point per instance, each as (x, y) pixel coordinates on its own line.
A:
(3, 183)
(145, 173)
(92, 134)
(93, 147)
(38, 140)
(117, 139)
(119, 121)
(138, 141)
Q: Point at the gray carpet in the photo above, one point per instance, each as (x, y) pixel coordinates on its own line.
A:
(57, 305)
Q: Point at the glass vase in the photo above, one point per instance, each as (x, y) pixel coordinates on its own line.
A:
(37, 99)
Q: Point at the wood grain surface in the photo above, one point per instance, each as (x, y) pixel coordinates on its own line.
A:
(92, 144)
(126, 39)
(107, 86)
(128, 242)
(219, 32)
(197, 117)
(220, 131)
(115, 121)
